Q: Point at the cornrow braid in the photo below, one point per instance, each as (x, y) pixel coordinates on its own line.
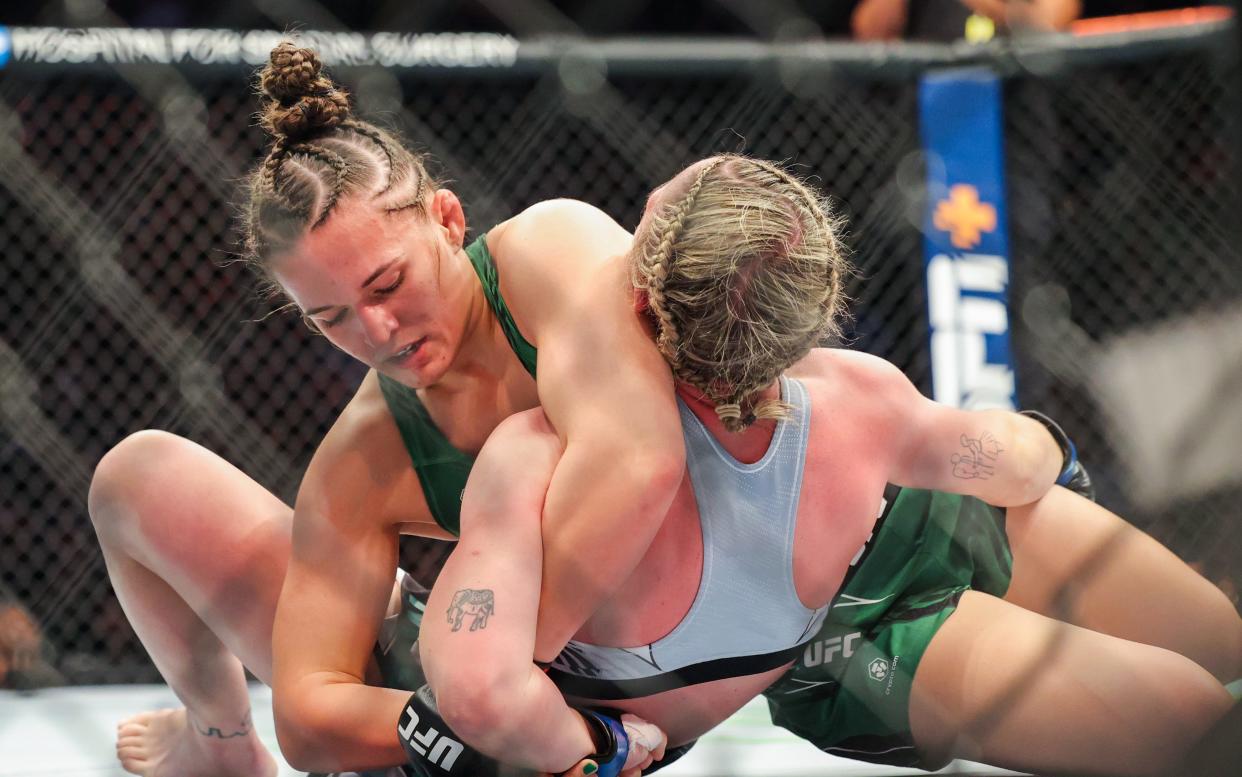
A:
(829, 226)
(742, 275)
(339, 166)
(380, 140)
(320, 155)
(657, 263)
(271, 165)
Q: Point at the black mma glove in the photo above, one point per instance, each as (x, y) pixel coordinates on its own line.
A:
(1074, 475)
(433, 750)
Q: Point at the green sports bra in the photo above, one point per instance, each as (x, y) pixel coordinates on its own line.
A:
(442, 469)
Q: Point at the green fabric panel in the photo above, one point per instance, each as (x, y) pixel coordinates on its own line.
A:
(442, 469)
(849, 693)
(481, 258)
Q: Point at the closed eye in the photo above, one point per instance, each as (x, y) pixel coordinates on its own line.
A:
(391, 288)
(383, 291)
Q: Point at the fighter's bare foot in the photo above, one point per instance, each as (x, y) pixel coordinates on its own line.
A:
(164, 743)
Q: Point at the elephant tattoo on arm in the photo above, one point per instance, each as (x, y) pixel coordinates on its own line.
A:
(479, 605)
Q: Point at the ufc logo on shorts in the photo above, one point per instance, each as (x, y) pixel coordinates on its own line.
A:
(444, 752)
(823, 651)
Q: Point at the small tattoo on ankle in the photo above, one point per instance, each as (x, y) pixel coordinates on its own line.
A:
(216, 733)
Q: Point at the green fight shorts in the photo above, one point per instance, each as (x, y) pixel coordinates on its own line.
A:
(396, 645)
(849, 692)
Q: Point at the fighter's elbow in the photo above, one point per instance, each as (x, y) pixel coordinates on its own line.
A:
(304, 730)
(296, 754)
(1025, 481)
(1023, 489)
(642, 474)
(479, 712)
(296, 738)
(653, 473)
(1041, 460)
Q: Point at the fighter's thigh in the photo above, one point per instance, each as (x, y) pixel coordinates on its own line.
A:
(1074, 560)
(1010, 687)
(197, 522)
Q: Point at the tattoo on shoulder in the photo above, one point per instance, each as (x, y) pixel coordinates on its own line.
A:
(979, 460)
(478, 605)
(216, 733)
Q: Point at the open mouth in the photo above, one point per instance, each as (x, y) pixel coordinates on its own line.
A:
(407, 351)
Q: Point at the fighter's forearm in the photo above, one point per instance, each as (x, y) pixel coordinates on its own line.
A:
(528, 725)
(339, 726)
(604, 506)
(477, 637)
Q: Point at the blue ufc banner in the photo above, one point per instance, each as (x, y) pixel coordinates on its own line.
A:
(965, 239)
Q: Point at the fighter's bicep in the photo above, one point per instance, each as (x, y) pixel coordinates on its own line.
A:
(511, 475)
(480, 625)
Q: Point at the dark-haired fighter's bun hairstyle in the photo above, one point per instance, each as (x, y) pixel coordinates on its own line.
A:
(320, 155)
(302, 102)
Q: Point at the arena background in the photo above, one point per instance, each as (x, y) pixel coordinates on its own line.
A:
(122, 151)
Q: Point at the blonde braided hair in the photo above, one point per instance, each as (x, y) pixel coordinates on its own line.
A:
(658, 266)
(743, 274)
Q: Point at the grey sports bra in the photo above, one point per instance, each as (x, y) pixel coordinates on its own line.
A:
(746, 617)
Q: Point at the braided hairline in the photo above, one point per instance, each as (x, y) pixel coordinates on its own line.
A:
(656, 265)
(338, 165)
(817, 212)
(378, 138)
(703, 374)
(283, 152)
(294, 73)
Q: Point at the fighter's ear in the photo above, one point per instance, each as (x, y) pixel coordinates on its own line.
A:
(445, 210)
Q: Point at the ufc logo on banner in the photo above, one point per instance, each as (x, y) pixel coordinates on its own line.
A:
(969, 331)
(444, 750)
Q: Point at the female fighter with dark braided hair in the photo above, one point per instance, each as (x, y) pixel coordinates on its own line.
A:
(349, 225)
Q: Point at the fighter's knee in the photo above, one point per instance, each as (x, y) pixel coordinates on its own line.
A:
(127, 471)
(1188, 704)
(1217, 646)
(1230, 666)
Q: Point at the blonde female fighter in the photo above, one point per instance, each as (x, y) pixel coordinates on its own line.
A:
(1048, 636)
